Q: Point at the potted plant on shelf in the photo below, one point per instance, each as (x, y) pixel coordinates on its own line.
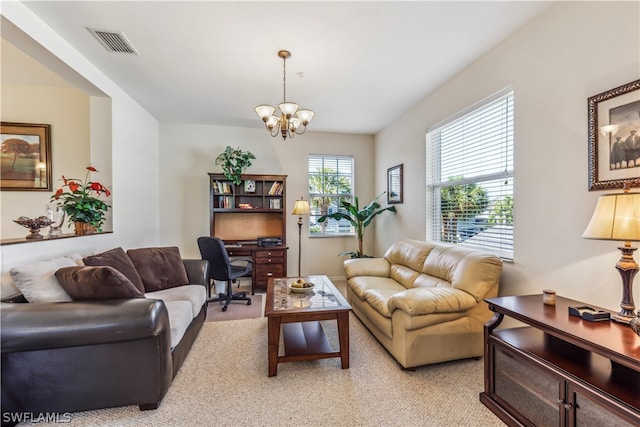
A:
(359, 218)
(81, 202)
(234, 162)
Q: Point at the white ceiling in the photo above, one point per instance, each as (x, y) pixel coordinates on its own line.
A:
(212, 62)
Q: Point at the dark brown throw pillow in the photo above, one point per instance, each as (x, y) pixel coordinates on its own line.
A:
(119, 260)
(159, 268)
(96, 283)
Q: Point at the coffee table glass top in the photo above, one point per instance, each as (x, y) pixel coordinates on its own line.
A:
(323, 296)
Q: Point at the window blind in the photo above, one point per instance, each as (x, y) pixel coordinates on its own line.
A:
(330, 182)
(470, 177)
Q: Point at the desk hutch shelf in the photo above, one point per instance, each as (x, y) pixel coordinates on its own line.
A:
(240, 214)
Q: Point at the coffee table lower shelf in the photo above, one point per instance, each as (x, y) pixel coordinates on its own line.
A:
(297, 318)
(305, 341)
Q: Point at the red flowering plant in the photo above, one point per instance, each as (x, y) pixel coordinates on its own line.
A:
(80, 200)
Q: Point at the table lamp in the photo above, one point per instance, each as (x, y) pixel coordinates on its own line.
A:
(617, 217)
(300, 208)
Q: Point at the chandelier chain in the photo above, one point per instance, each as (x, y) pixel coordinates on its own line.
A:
(284, 79)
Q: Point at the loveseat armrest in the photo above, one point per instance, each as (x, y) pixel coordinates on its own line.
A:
(419, 301)
(39, 326)
(378, 267)
(197, 271)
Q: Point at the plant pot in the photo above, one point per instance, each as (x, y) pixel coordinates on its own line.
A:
(84, 228)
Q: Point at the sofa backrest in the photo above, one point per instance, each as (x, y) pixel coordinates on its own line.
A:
(415, 263)
(472, 271)
(406, 258)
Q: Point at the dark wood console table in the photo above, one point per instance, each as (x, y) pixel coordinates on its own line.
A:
(559, 369)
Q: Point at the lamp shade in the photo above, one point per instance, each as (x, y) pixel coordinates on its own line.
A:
(264, 111)
(616, 217)
(301, 208)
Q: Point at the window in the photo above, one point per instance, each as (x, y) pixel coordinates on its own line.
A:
(330, 182)
(470, 177)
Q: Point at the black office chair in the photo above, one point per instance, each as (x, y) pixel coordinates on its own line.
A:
(220, 268)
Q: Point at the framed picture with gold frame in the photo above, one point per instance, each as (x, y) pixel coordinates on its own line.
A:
(394, 184)
(614, 137)
(25, 157)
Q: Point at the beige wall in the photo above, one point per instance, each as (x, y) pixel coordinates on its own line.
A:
(129, 145)
(188, 153)
(569, 53)
(67, 111)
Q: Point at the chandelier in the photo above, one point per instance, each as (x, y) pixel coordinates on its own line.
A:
(286, 124)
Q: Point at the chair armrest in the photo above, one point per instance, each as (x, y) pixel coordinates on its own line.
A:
(39, 326)
(418, 301)
(197, 271)
(378, 267)
(245, 261)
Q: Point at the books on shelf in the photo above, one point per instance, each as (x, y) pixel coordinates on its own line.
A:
(276, 189)
(226, 202)
(222, 187)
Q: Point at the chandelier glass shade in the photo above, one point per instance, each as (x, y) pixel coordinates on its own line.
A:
(291, 119)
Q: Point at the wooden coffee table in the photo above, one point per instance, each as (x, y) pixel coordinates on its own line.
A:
(299, 314)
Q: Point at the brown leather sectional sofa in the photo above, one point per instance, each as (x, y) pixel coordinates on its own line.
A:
(61, 357)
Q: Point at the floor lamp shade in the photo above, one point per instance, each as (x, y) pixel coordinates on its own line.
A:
(300, 208)
(617, 217)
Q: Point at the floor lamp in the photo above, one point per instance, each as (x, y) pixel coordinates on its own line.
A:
(300, 208)
(617, 217)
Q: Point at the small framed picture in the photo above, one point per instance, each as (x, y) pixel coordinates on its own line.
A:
(26, 157)
(249, 186)
(394, 184)
(274, 203)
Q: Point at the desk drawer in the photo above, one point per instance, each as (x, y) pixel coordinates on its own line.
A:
(269, 257)
(239, 252)
(266, 271)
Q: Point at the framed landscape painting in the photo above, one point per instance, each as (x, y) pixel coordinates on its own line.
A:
(25, 157)
(614, 138)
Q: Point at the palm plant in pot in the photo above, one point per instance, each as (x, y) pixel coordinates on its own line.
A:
(359, 219)
(234, 161)
(81, 201)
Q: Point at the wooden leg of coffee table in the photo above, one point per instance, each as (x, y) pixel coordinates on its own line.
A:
(273, 344)
(343, 338)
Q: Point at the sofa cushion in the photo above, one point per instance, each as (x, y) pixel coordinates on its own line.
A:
(360, 285)
(37, 280)
(418, 301)
(426, 281)
(179, 319)
(379, 298)
(96, 283)
(119, 260)
(195, 294)
(159, 268)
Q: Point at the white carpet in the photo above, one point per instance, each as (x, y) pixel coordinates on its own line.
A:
(224, 382)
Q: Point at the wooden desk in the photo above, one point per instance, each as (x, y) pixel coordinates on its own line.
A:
(268, 262)
(559, 369)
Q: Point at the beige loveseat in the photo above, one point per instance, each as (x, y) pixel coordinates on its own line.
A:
(424, 301)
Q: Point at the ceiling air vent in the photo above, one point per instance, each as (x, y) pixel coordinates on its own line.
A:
(114, 42)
